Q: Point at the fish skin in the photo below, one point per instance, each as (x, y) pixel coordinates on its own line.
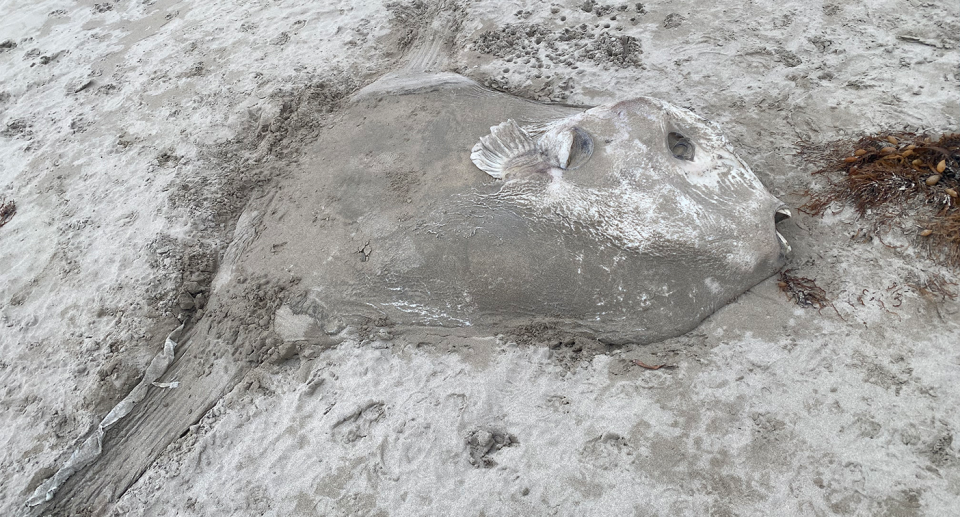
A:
(634, 245)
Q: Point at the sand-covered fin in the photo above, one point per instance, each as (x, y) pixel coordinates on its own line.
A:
(426, 62)
(432, 49)
(505, 142)
(92, 447)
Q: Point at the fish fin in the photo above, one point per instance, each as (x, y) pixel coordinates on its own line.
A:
(505, 142)
(537, 129)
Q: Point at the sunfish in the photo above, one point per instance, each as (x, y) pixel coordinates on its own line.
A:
(432, 201)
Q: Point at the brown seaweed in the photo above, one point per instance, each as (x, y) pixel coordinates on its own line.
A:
(893, 178)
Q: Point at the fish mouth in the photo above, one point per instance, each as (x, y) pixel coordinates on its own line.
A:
(782, 214)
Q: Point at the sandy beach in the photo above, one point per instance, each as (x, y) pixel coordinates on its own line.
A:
(142, 143)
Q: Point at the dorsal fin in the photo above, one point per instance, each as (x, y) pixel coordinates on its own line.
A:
(425, 61)
(431, 50)
(505, 142)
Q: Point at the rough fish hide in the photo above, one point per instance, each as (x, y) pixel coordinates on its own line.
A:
(434, 202)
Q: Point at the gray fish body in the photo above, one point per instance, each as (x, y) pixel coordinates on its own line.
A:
(389, 218)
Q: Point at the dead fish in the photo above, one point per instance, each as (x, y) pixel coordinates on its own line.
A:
(431, 201)
(434, 202)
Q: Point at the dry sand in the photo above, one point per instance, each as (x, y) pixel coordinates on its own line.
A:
(132, 136)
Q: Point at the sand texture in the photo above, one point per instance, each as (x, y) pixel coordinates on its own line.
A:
(147, 145)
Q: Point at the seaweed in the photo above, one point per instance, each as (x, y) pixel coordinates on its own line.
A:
(935, 285)
(893, 178)
(804, 291)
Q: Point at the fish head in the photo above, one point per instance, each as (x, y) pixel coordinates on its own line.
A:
(648, 175)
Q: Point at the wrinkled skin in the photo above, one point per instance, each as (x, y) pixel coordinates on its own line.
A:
(389, 219)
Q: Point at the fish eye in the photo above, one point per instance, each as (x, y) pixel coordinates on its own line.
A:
(581, 148)
(568, 149)
(680, 146)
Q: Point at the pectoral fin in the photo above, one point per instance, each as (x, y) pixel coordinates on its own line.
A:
(506, 142)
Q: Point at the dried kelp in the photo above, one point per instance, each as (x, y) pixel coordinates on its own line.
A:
(896, 178)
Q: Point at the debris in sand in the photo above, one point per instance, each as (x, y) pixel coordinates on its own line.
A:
(7, 209)
(650, 367)
(482, 443)
(804, 291)
(895, 178)
(92, 447)
(935, 285)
